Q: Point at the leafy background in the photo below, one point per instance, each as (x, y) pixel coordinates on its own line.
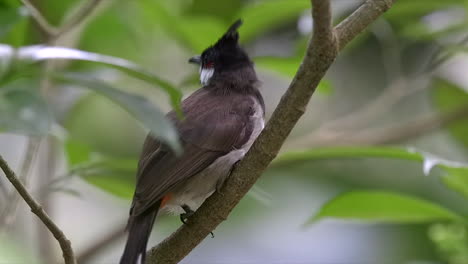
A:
(351, 185)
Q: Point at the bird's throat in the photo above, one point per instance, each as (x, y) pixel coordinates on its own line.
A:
(205, 75)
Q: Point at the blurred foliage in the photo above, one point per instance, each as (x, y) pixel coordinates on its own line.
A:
(12, 251)
(22, 109)
(142, 109)
(111, 124)
(451, 241)
(457, 179)
(448, 96)
(380, 207)
(140, 38)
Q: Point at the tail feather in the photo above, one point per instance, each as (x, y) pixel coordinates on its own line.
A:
(139, 230)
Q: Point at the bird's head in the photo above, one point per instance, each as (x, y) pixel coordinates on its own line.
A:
(224, 55)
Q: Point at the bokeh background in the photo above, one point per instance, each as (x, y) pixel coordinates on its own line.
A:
(399, 89)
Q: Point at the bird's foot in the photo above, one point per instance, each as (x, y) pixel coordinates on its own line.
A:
(188, 213)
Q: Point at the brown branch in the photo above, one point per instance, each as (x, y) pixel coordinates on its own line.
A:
(321, 52)
(41, 21)
(369, 11)
(77, 18)
(52, 32)
(36, 208)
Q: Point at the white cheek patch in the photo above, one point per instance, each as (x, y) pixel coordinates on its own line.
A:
(205, 75)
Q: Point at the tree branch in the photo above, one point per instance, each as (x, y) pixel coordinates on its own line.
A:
(321, 52)
(8, 215)
(401, 133)
(77, 18)
(52, 32)
(351, 123)
(36, 208)
(49, 29)
(369, 11)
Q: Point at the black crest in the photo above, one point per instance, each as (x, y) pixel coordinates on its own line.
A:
(226, 53)
(231, 37)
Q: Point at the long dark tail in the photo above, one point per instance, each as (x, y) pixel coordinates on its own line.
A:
(139, 230)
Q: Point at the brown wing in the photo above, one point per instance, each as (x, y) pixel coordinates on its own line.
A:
(213, 126)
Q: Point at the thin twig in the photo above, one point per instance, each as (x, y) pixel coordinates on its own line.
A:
(437, 60)
(400, 133)
(36, 208)
(9, 213)
(360, 19)
(49, 29)
(342, 126)
(77, 18)
(52, 32)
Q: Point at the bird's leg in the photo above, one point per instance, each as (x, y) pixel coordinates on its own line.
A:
(188, 212)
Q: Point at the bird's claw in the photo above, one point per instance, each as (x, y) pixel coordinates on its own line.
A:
(188, 213)
(185, 216)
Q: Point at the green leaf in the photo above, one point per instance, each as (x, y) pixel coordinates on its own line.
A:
(447, 97)
(457, 179)
(261, 16)
(113, 182)
(104, 126)
(110, 174)
(9, 17)
(451, 241)
(77, 152)
(142, 109)
(348, 152)
(429, 160)
(23, 110)
(115, 176)
(388, 207)
(30, 54)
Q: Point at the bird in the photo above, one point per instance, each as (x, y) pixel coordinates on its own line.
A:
(221, 120)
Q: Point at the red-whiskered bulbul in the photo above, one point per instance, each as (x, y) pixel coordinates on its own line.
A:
(221, 121)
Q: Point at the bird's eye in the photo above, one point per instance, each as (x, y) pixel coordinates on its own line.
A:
(209, 64)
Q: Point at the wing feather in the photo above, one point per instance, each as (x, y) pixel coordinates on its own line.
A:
(213, 126)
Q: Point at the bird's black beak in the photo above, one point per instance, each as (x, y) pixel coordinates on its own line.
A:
(195, 60)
